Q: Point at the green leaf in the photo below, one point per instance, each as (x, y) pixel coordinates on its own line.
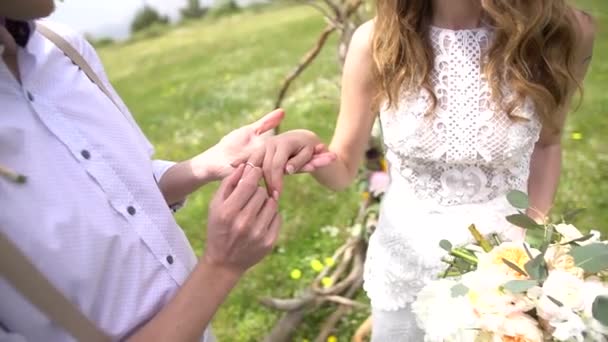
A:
(446, 245)
(600, 309)
(518, 199)
(548, 239)
(537, 268)
(523, 221)
(513, 266)
(535, 238)
(520, 286)
(459, 290)
(572, 214)
(592, 258)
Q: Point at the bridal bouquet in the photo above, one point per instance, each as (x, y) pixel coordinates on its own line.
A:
(552, 288)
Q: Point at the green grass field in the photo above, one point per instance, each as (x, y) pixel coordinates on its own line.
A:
(193, 84)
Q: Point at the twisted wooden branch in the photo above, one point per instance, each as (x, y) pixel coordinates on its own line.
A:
(304, 63)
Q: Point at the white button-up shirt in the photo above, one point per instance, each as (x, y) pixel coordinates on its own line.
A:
(90, 216)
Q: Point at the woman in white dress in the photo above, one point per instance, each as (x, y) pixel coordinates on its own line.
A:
(472, 97)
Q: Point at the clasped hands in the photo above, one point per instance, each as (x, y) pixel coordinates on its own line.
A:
(296, 151)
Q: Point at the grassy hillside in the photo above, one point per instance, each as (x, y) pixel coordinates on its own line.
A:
(191, 85)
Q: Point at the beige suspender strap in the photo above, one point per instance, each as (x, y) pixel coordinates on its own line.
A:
(17, 269)
(77, 58)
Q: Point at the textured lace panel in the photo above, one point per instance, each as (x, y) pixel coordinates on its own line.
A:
(468, 150)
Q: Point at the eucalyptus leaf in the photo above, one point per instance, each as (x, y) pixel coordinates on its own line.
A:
(535, 238)
(523, 221)
(600, 309)
(520, 286)
(514, 267)
(537, 268)
(548, 239)
(518, 199)
(592, 258)
(459, 290)
(446, 245)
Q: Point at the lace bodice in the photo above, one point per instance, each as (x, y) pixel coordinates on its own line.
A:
(468, 150)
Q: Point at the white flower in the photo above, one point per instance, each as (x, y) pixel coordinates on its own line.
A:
(441, 316)
(569, 232)
(522, 327)
(571, 328)
(567, 289)
(564, 287)
(515, 252)
(493, 305)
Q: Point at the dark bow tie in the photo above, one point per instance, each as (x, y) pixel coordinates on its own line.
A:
(20, 30)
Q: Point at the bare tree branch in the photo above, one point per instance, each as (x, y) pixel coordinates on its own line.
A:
(304, 63)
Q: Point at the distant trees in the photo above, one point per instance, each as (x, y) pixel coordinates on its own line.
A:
(193, 10)
(147, 17)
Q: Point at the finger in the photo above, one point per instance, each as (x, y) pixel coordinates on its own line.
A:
(318, 161)
(320, 148)
(245, 188)
(254, 205)
(299, 160)
(267, 167)
(273, 230)
(229, 183)
(269, 121)
(279, 163)
(240, 159)
(324, 159)
(257, 157)
(265, 217)
(308, 168)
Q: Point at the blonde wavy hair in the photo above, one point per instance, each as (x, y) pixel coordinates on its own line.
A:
(533, 52)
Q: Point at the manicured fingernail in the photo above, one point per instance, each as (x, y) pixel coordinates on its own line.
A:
(290, 169)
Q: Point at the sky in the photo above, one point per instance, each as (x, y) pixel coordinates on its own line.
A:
(109, 18)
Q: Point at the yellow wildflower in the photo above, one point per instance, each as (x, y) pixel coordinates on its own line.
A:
(577, 136)
(329, 262)
(365, 196)
(327, 282)
(296, 274)
(332, 338)
(316, 265)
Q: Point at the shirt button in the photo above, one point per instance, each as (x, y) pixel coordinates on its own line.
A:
(131, 210)
(170, 259)
(85, 154)
(30, 96)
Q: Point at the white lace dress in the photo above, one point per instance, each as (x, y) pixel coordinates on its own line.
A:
(448, 170)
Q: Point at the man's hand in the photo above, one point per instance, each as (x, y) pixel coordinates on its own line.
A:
(243, 226)
(243, 222)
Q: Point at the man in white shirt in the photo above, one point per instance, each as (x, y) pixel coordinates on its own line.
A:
(94, 212)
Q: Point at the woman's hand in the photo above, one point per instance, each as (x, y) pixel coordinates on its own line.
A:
(291, 152)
